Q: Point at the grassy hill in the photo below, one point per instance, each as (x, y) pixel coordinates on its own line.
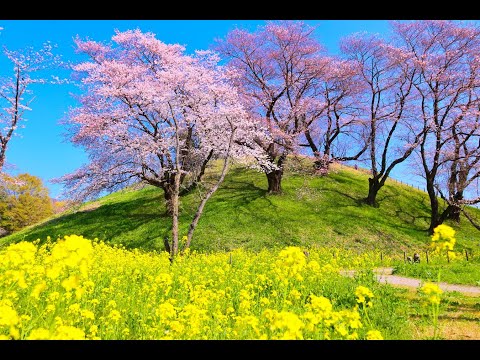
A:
(313, 210)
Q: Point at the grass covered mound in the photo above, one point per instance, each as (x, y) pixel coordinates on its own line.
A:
(326, 211)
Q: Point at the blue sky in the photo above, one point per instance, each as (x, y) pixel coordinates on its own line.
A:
(41, 149)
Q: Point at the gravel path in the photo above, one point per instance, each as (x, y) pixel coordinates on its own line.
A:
(384, 275)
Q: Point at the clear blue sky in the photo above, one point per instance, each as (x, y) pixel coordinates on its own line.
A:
(40, 149)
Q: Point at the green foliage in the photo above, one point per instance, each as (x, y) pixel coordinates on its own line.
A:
(23, 201)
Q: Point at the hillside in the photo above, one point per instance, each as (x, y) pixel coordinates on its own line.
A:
(313, 210)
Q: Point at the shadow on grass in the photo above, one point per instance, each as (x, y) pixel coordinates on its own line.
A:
(410, 218)
(373, 219)
(105, 222)
(356, 201)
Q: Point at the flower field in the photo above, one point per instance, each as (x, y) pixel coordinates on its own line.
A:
(75, 288)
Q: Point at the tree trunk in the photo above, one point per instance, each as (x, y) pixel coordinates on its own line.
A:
(373, 187)
(322, 164)
(168, 191)
(275, 181)
(197, 180)
(454, 213)
(434, 216)
(175, 206)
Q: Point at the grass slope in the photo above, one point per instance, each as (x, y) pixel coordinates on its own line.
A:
(313, 210)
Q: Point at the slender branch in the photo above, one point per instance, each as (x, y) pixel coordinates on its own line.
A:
(209, 193)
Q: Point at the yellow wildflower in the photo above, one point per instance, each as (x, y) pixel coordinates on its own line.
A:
(39, 334)
(319, 305)
(166, 311)
(74, 309)
(264, 301)
(68, 333)
(38, 289)
(364, 296)
(8, 315)
(14, 333)
(443, 239)
(19, 254)
(374, 335)
(431, 293)
(87, 314)
(72, 282)
(114, 315)
(54, 296)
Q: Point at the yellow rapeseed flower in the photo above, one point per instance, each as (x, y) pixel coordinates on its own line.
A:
(68, 333)
(38, 289)
(295, 294)
(364, 296)
(374, 335)
(87, 314)
(264, 301)
(443, 239)
(115, 315)
(39, 334)
(166, 311)
(74, 309)
(319, 304)
(8, 315)
(431, 293)
(18, 255)
(53, 296)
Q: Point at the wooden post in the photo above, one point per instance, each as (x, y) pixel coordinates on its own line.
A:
(404, 257)
(426, 254)
(448, 256)
(466, 254)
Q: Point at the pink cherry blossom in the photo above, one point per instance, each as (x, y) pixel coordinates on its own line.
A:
(151, 113)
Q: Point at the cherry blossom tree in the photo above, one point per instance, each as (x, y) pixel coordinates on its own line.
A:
(278, 66)
(333, 127)
(459, 170)
(386, 101)
(28, 68)
(458, 176)
(446, 62)
(152, 113)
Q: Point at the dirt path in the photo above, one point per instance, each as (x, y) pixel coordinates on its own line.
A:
(384, 275)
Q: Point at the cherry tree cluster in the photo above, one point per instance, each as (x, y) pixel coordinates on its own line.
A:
(446, 58)
(279, 66)
(151, 113)
(380, 101)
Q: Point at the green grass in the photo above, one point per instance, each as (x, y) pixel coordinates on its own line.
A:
(314, 210)
(458, 319)
(456, 272)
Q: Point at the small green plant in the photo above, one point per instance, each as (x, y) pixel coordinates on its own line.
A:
(430, 294)
(364, 298)
(443, 240)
